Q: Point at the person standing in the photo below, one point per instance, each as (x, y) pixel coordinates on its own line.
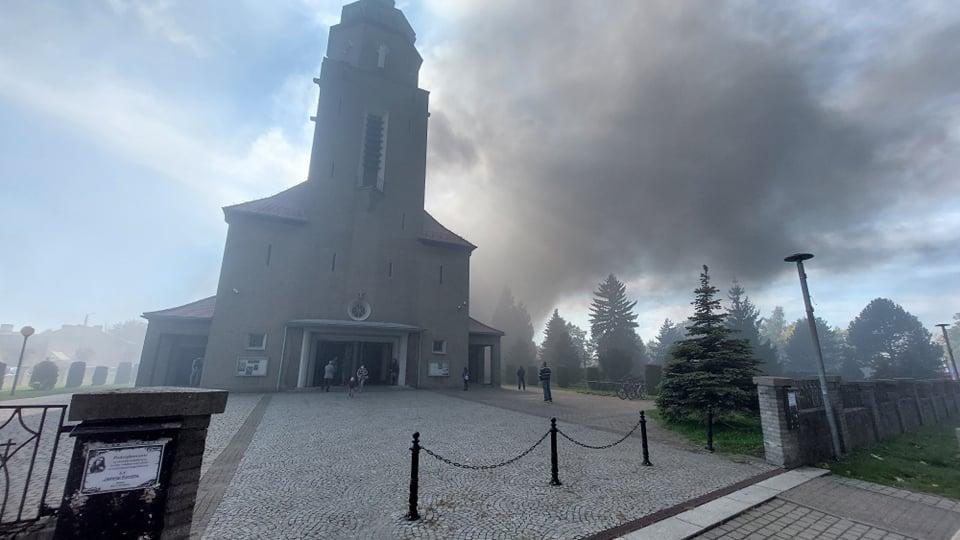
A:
(351, 384)
(362, 375)
(466, 378)
(394, 371)
(521, 379)
(328, 371)
(545, 381)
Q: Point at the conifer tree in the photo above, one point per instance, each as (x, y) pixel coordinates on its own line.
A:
(894, 342)
(559, 351)
(511, 316)
(612, 327)
(709, 369)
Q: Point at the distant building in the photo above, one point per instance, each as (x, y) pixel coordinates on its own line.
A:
(347, 266)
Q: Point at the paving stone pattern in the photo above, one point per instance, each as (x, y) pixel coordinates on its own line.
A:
(785, 520)
(224, 426)
(322, 465)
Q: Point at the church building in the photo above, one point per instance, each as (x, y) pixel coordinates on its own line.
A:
(346, 267)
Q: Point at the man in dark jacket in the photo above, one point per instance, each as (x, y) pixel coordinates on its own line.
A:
(545, 381)
(521, 379)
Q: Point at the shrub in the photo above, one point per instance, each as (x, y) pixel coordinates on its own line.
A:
(44, 376)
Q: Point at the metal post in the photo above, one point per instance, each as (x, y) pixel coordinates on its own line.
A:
(26, 332)
(821, 371)
(554, 479)
(412, 514)
(710, 429)
(953, 362)
(643, 439)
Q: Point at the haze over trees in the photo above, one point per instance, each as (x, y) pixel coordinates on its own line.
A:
(743, 318)
(710, 369)
(659, 347)
(894, 343)
(613, 329)
(800, 354)
(512, 318)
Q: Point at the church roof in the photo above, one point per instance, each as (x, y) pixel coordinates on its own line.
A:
(288, 205)
(477, 327)
(433, 231)
(201, 309)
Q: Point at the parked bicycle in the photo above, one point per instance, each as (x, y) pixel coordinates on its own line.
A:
(633, 389)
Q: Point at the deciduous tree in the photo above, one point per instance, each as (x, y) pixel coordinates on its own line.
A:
(894, 342)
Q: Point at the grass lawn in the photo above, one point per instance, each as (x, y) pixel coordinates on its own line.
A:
(734, 434)
(927, 461)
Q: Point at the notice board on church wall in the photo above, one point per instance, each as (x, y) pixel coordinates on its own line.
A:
(252, 366)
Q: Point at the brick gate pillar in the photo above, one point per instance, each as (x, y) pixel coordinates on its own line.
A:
(781, 438)
(136, 461)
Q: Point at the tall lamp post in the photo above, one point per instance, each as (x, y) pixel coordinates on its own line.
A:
(26, 332)
(953, 362)
(821, 372)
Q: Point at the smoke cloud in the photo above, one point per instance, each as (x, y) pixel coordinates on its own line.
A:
(572, 139)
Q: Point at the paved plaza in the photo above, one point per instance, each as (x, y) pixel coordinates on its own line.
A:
(324, 465)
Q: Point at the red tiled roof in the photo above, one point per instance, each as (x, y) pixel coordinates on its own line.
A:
(477, 327)
(433, 231)
(288, 204)
(201, 309)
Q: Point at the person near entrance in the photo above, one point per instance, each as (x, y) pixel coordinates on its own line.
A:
(196, 371)
(328, 372)
(394, 371)
(545, 381)
(466, 378)
(351, 384)
(521, 379)
(362, 375)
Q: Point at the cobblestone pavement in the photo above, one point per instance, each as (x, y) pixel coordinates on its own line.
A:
(606, 413)
(223, 426)
(322, 465)
(832, 507)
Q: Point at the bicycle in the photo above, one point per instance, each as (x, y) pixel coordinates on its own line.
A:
(631, 390)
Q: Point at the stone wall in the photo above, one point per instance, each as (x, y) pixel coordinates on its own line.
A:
(866, 412)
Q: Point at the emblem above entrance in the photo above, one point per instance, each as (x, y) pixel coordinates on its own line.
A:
(359, 310)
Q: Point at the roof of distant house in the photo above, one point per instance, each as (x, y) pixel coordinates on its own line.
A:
(290, 205)
(477, 327)
(201, 309)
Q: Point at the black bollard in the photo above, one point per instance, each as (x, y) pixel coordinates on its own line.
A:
(554, 479)
(710, 429)
(412, 514)
(643, 439)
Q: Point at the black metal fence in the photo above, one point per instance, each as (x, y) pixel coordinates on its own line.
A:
(29, 441)
(415, 449)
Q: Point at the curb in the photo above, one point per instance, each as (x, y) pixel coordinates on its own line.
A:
(685, 524)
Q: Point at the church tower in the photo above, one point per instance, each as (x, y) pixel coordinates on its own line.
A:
(346, 267)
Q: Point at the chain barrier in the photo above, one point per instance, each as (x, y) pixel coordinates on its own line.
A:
(601, 447)
(485, 467)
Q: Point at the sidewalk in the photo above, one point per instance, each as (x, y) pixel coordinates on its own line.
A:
(807, 503)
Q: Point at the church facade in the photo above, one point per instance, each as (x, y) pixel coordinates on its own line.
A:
(346, 267)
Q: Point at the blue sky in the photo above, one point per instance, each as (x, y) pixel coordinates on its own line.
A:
(128, 124)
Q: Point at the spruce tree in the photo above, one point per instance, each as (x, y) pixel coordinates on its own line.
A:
(743, 317)
(559, 351)
(660, 346)
(512, 318)
(709, 369)
(612, 327)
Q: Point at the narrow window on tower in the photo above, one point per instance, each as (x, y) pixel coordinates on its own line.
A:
(269, 252)
(374, 154)
(441, 274)
(332, 168)
(382, 53)
(333, 263)
(390, 269)
(403, 221)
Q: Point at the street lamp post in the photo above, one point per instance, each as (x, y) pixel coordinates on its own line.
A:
(26, 332)
(953, 362)
(821, 371)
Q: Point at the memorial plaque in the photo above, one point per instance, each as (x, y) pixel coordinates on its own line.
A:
(252, 366)
(122, 467)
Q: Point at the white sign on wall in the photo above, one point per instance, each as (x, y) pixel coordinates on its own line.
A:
(122, 467)
(252, 366)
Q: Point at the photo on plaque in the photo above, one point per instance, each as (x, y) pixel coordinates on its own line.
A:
(122, 467)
